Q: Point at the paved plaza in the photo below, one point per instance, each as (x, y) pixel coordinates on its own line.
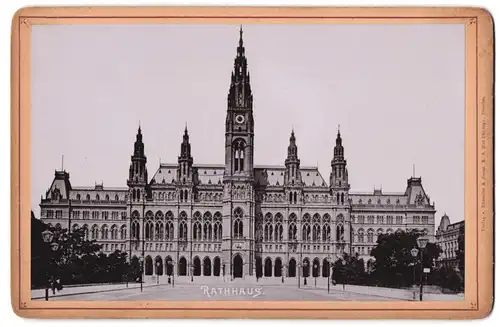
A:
(217, 289)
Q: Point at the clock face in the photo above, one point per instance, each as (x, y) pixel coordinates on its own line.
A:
(240, 119)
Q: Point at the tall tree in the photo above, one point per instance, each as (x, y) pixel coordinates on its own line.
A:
(394, 264)
(77, 261)
(349, 270)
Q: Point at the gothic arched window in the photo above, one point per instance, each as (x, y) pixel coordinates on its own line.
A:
(95, 232)
(306, 232)
(169, 231)
(159, 231)
(268, 232)
(197, 230)
(361, 235)
(238, 223)
(104, 232)
(292, 231)
(217, 231)
(123, 232)
(370, 235)
(114, 232)
(340, 232)
(183, 231)
(239, 155)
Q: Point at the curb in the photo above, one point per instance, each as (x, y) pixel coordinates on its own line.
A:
(93, 292)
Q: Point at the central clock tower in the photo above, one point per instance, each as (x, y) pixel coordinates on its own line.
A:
(238, 201)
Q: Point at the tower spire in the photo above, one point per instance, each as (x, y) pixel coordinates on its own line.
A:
(241, 35)
(240, 93)
(292, 163)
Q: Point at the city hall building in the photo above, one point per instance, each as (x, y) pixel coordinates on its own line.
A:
(236, 218)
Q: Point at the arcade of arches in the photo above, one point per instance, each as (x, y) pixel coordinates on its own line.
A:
(213, 267)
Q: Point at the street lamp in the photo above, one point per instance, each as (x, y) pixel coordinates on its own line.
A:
(414, 253)
(48, 238)
(305, 264)
(170, 271)
(192, 271)
(141, 270)
(315, 274)
(422, 243)
(157, 272)
(328, 260)
(298, 274)
(343, 274)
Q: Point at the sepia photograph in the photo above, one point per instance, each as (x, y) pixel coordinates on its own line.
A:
(252, 162)
(255, 162)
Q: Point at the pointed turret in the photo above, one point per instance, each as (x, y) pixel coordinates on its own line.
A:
(293, 178)
(240, 93)
(292, 163)
(339, 181)
(138, 173)
(185, 159)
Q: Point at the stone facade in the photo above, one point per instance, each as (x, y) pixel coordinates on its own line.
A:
(447, 237)
(237, 218)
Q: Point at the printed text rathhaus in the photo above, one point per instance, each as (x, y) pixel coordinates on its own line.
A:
(236, 218)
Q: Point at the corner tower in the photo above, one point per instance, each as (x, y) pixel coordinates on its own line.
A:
(138, 173)
(238, 202)
(339, 189)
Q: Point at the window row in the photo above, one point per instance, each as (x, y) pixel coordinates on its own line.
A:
(379, 219)
(362, 250)
(51, 214)
(97, 197)
(423, 220)
(370, 233)
(103, 233)
(169, 215)
(114, 247)
(105, 215)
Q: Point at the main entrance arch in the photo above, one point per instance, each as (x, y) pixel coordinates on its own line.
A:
(238, 267)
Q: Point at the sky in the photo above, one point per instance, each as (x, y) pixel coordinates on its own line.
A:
(396, 91)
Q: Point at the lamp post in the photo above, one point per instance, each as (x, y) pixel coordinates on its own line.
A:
(343, 274)
(282, 277)
(328, 260)
(414, 253)
(170, 271)
(142, 269)
(315, 274)
(422, 243)
(305, 264)
(192, 271)
(48, 237)
(298, 274)
(157, 272)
